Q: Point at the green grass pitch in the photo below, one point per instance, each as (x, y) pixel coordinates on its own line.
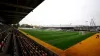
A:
(59, 39)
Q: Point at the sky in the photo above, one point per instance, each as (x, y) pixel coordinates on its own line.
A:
(64, 12)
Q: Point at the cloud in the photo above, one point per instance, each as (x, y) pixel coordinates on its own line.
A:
(64, 12)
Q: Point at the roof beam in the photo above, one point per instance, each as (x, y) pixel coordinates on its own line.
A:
(15, 16)
(18, 6)
(13, 12)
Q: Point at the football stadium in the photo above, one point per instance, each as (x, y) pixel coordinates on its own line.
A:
(59, 39)
(22, 35)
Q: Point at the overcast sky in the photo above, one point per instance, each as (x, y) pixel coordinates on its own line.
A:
(64, 12)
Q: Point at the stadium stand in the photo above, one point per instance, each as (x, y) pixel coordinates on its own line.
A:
(29, 47)
(5, 37)
(13, 42)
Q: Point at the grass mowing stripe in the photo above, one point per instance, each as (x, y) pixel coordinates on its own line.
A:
(57, 37)
(66, 44)
(56, 41)
(39, 35)
(43, 32)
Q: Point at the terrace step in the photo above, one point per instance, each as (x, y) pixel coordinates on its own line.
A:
(3, 54)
